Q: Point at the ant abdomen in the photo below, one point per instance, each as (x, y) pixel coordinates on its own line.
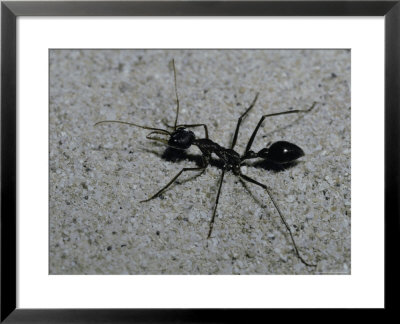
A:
(281, 152)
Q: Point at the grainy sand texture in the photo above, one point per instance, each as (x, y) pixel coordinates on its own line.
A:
(99, 174)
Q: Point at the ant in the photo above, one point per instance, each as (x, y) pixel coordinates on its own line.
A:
(280, 153)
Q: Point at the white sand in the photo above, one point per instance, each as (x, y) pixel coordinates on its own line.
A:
(99, 174)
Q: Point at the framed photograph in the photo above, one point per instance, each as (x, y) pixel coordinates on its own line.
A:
(151, 157)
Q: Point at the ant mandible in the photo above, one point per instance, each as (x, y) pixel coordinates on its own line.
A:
(279, 153)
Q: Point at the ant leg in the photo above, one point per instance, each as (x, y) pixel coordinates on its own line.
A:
(216, 203)
(173, 180)
(240, 121)
(281, 216)
(176, 94)
(274, 114)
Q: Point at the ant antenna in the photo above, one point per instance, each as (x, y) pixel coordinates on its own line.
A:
(160, 131)
(157, 138)
(176, 94)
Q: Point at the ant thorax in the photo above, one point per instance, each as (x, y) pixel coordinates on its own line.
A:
(230, 157)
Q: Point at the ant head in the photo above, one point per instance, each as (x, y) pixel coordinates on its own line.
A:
(281, 152)
(181, 139)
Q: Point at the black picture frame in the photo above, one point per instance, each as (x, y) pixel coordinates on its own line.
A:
(9, 13)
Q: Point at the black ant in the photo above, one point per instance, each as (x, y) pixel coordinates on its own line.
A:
(279, 153)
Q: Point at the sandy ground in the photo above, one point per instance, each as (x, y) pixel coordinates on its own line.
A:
(99, 174)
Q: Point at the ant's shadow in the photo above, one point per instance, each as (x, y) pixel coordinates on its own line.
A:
(174, 155)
